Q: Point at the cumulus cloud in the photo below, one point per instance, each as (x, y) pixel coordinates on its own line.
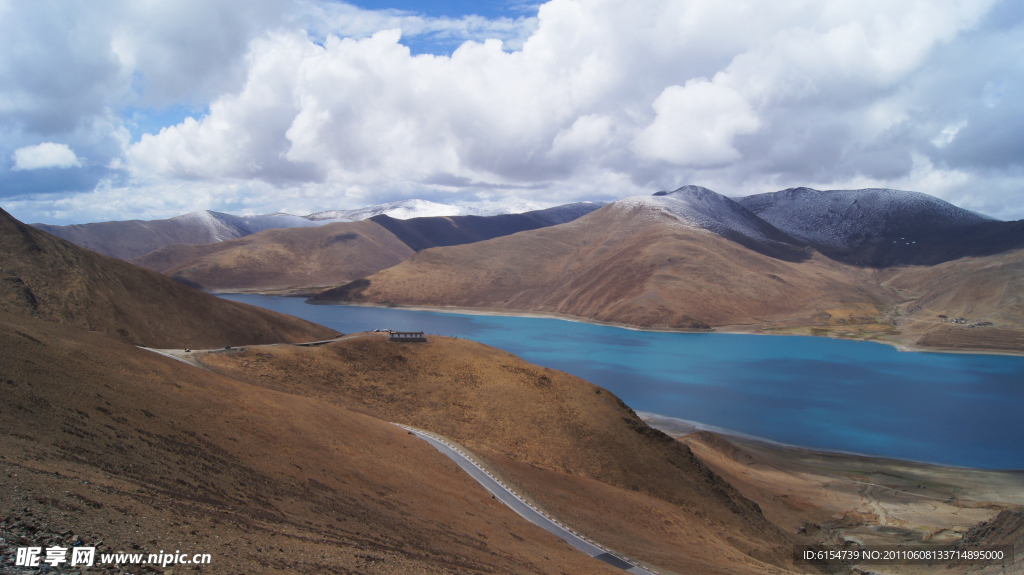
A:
(323, 104)
(45, 155)
(695, 125)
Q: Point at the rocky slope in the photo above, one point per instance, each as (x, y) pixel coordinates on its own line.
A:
(120, 448)
(46, 277)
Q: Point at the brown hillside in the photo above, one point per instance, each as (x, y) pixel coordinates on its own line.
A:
(986, 290)
(575, 448)
(837, 497)
(621, 265)
(49, 278)
(122, 448)
(324, 255)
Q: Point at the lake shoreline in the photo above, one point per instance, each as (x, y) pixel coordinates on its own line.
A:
(731, 329)
(728, 381)
(680, 428)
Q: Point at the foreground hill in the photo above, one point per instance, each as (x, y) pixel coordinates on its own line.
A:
(323, 255)
(46, 277)
(335, 253)
(121, 448)
(679, 260)
(843, 497)
(882, 227)
(572, 446)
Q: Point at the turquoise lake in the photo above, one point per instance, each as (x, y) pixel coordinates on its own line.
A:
(861, 397)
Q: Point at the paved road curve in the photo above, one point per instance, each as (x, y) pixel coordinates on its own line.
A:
(524, 509)
(500, 491)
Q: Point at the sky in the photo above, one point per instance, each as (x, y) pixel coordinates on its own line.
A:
(119, 109)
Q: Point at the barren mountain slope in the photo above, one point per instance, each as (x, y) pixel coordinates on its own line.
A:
(988, 292)
(840, 497)
(47, 277)
(632, 262)
(133, 238)
(575, 447)
(108, 444)
(324, 255)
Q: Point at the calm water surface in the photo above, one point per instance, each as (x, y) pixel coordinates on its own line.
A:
(954, 409)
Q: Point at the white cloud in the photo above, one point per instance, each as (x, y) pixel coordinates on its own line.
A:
(696, 124)
(321, 103)
(587, 134)
(45, 155)
(323, 19)
(604, 80)
(947, 134)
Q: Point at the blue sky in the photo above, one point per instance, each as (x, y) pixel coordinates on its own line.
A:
(485, 8)
(122, 110)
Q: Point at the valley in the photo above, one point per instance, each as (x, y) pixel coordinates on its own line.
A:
(276, 457)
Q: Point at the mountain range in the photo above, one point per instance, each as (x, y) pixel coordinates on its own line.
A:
(849, 263)
(855, 263)
(335, 252)
(134, 238)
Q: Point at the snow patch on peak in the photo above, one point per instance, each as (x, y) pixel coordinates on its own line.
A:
(222, 227)
(408, 209)
(698, 208)
(649, 209)
(205, 221)
(254, 224)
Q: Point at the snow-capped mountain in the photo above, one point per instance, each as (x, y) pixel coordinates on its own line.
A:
(878, 226)
(837, 218)
(408, 209)
(699, 208)
(223, 226)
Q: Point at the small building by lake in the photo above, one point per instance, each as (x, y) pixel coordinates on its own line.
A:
(406, 336)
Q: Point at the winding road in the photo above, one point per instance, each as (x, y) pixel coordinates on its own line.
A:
(492, 484)
(502, 493)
